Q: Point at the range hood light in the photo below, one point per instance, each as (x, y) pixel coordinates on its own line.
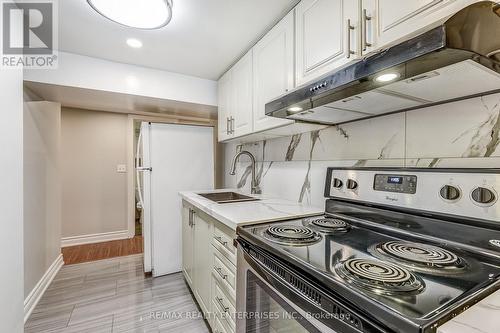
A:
(144, 14)
(295, 109)
(387, 77)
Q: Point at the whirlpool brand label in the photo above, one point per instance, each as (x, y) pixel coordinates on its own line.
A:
(29, 34)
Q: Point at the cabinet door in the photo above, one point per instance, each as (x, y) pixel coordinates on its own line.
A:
(326, 36)
(242, 75)
(224, 109)
(391, 20)
(273, 69)
(187, 245)
(202, 261)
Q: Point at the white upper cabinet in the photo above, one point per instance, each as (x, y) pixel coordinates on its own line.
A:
(224, 109)
(242, 88)
(273, 71)
(317, 37)
(236, 100)
(327, 36)
(386, 21)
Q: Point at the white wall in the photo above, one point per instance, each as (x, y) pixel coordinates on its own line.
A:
(11, 201)
(94, 195)
(42, 190)
(92, 73)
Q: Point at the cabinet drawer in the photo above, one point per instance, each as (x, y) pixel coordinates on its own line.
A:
(224, 272)
(224, 243)
(223, 308)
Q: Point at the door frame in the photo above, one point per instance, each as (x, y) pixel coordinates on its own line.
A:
(131, 156)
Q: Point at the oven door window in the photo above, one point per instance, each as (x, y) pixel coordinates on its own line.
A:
(267, 312)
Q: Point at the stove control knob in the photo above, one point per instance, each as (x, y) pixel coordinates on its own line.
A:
(351, 184)
(337, 183)
(449, 192)
(483, 195)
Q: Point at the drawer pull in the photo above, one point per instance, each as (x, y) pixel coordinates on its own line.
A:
(219, 270)
(219, 239)
(219, 300)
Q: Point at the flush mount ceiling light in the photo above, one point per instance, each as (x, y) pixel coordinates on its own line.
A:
(141, 14)
(387, 77)
(135, 43)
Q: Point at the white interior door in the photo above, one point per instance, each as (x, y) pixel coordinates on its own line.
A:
(182, 159)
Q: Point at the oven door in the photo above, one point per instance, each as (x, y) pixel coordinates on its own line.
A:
(264, 305)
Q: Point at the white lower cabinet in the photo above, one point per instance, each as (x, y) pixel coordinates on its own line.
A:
(187, 244)
(202, 259)
(209, 266)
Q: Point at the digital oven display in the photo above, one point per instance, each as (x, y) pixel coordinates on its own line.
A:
(396, 183)
(394, 180)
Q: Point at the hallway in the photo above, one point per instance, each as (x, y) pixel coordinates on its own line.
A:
(105, 250)
(113, 295)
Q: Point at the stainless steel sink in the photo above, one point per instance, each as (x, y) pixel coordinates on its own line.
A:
(227, 197)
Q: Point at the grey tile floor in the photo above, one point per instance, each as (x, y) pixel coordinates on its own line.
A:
(114, 296)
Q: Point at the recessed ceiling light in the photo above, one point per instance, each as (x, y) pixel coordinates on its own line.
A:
(387, 77)
(295, 109)
(143, 14)
(135, 43)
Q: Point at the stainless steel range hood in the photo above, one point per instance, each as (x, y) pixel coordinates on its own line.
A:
(456, 60)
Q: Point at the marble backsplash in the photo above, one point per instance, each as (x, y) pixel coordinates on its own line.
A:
(458, 134)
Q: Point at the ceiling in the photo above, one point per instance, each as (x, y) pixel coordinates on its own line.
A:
(99, 100)
(204, 38)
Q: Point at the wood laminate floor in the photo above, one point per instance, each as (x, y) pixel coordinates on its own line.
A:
(113, 295)
(98, 251)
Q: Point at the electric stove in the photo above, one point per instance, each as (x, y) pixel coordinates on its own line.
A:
(397, 250)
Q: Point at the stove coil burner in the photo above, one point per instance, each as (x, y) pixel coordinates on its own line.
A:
(379, 277)
(292, 235)
(420, 257)
(327, 224)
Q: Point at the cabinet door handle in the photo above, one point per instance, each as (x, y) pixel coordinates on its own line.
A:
(219, 300)
(192, 218)
(349, 28)
(219, 270)
(365, 19)
(232, 125)
(227, 125)
(219, 239)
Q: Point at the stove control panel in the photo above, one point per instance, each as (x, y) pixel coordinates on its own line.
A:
(473, 193)
(395, 183)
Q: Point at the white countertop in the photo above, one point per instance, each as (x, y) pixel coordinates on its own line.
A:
(480, 318)
(267, 209)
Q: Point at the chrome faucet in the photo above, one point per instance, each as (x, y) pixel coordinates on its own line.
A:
(255, 187)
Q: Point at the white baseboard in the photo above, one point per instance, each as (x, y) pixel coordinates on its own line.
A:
(94, 238)
(34, 297)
